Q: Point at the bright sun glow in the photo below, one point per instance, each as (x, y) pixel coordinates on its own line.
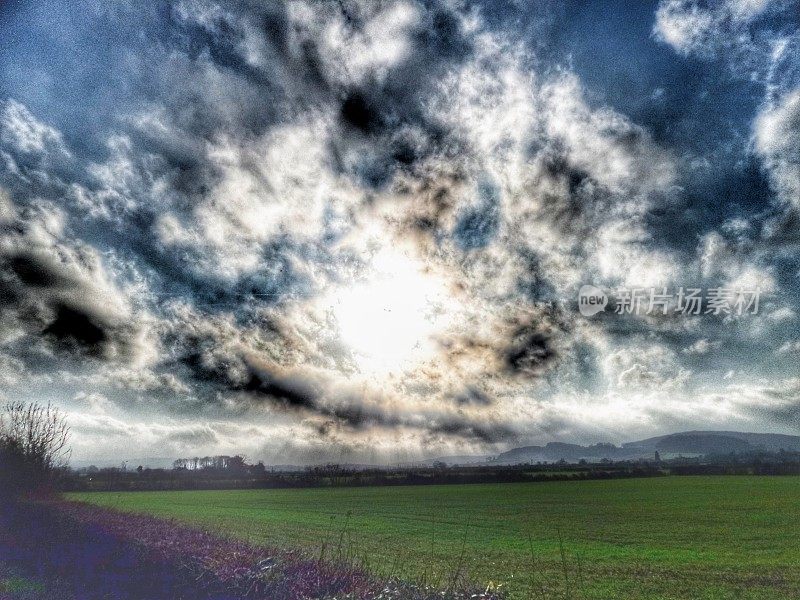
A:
(388, 320)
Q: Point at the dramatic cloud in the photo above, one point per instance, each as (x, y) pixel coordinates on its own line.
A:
(356, 230)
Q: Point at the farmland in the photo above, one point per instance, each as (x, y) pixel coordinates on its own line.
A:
(671, 537)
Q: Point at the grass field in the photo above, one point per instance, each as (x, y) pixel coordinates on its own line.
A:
(671, 537)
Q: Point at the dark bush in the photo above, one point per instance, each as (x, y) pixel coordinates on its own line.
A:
(33, 447)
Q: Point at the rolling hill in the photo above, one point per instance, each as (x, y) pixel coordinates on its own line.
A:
(687, 443)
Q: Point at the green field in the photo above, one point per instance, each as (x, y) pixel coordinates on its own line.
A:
(671, 537)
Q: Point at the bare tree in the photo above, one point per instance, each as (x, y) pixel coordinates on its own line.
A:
(33, 443)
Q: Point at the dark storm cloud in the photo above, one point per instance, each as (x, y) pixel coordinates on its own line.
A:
(55, 289)
(294, 392)
(483, 432)
(72, 327)
(283, 392)
(529, 351)
(531, 344)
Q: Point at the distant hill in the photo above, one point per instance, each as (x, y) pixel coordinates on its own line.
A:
(719, 441)
(555, 451)
(688, 443)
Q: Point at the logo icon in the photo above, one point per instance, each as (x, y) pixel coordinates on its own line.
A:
(591, 300)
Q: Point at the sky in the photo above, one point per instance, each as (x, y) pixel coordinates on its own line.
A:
(357, 230)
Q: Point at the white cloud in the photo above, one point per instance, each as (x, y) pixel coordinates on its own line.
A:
(783, 313)
(25, 134)
(776, 134)
(684, 25)
(644, 367)
(727, 266)
(693, 27)
(791, 347)
(701, 346)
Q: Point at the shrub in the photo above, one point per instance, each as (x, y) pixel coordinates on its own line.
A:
(33, 446)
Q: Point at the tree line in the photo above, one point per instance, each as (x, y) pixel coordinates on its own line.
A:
(34, 452)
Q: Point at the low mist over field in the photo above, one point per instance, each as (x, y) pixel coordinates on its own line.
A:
(378, 232)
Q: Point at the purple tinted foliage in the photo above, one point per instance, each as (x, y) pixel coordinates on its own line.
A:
(100, 553)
